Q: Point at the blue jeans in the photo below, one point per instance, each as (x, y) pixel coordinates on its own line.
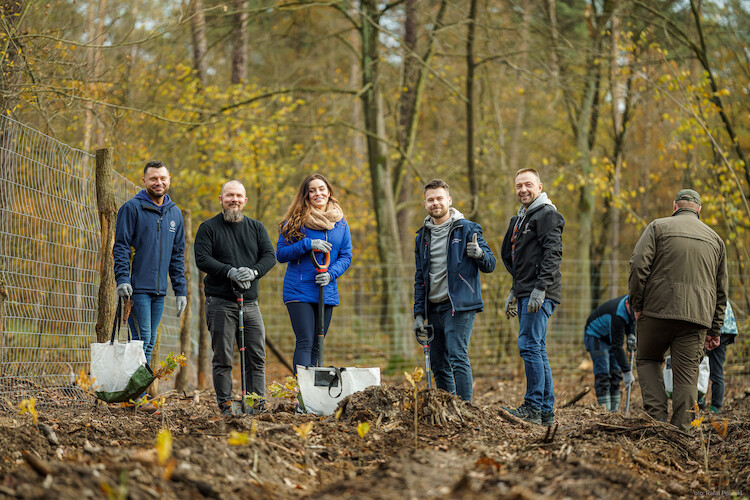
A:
(532, 335)
(449, 351)
(304, 318)
(716, 359)
(145, 318)
(607, 373)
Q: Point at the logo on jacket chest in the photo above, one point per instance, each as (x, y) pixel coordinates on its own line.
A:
(525, 229)
(455, 241)
(172, 226)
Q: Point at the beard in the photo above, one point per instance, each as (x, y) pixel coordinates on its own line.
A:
(233, 215)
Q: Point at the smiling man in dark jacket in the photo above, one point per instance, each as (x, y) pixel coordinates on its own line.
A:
(150, 227)
(449, 252)
(532, 253)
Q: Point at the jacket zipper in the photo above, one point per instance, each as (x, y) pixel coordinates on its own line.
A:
(467, 283)
(158, 265)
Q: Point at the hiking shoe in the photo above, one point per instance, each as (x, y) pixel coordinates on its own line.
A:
(714, 409)
(548, 418)
(526, 412)
(260, 407)
(702, 403)
(226, 408)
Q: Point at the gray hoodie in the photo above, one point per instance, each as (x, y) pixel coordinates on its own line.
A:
(439, 256)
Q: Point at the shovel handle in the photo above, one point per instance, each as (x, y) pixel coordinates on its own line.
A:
(320, 268)
(426, 335)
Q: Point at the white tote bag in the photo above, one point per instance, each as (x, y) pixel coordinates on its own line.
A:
(322, 388)
(704, 371)
(113, 363)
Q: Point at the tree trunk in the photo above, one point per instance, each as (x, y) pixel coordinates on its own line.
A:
(394, 320)
(181, 381)
(520, 100)
(240, 38)
(470, 67)
(200, 45)
(105, 202)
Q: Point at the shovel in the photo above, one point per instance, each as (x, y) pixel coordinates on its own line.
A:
(424, 337)
(241, 344)
(630, 385)
(321, 268)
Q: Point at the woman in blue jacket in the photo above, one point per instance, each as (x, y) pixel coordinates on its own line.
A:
(313, 221)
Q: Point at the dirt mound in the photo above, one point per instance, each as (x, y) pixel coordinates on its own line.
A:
(459, 450)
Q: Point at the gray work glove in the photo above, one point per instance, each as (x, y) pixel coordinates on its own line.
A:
(124, 290)
(511, 305)
(632, 342)
(323, 279)
(419, 323)
(473, 249)
(246, 271)
(321, 245)
(181, 304)
(243, 279)
(536, 299)
(628, 378)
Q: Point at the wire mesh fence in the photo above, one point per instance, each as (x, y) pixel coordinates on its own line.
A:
(49, 275)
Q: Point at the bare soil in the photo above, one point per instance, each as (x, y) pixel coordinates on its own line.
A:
(462, 450)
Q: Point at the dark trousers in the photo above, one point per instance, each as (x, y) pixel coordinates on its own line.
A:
(716, 359)
(685, 341)
(304, 318)
(222, 318)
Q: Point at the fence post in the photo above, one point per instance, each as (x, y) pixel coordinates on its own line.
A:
(105, 204)
(3, 297)
(181, 381)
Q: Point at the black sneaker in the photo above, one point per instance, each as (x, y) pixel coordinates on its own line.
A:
(548, 418)
(226, 408)
(526, 412)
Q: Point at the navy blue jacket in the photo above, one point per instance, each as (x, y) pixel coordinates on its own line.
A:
(464, 286)
(610, 323)
(157, 236)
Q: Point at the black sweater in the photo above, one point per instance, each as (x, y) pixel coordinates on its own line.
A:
(221, 245)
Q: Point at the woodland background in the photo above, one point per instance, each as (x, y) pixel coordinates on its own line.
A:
(619, 104)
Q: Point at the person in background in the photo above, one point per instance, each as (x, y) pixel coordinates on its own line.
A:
(678, 292)
(314, 221)
(450, 251)
(607, 327)
(235, 252)
(149, 246)
(716, 359)
(532, 254)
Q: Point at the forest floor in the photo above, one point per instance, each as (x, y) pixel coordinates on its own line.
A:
(462, 450)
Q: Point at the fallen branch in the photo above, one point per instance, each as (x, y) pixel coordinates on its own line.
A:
(40, 466)
(577, 397)
(512, 418)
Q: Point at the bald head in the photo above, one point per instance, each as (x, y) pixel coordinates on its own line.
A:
(233, 199)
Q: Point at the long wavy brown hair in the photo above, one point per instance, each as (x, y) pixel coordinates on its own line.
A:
(296, 215)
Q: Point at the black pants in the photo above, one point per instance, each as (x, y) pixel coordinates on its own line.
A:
(716, 359)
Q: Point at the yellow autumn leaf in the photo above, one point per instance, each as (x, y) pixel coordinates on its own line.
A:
(418, 374)
(163, 446)
(238, 438)
(303, 430)
(28, 406)
(409, 378)
(362, 429)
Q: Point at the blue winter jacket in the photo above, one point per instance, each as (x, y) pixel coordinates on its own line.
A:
(299, 279)
(464, 286)
(157, 235)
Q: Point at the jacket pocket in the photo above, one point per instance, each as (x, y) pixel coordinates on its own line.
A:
(467, 284)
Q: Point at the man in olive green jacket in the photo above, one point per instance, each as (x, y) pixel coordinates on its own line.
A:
(678, 290)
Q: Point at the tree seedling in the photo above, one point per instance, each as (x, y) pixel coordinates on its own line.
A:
(414, 378)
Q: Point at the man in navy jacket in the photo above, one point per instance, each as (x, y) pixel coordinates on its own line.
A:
(449, 252)
(149, 246)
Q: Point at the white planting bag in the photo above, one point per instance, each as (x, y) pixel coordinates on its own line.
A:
(322, 388)
(113, 363)
(704, 371)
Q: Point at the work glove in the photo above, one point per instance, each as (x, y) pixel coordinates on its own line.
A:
(246, 271)
(628, 378)
(511, 305)
(124, 290)
(419, 323)
(536, 299)
(321, 245)
(323, 279)
(632, 342)
(473, 249)
(181, 304)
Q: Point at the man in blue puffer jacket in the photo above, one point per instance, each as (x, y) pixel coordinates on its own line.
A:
(449, 252)
(150, 227)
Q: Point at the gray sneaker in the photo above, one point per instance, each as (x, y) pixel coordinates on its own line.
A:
(548, 418)
(526, 412)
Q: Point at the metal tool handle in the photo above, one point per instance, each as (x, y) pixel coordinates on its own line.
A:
(425, 337)
(321, 268)
(241, 345)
